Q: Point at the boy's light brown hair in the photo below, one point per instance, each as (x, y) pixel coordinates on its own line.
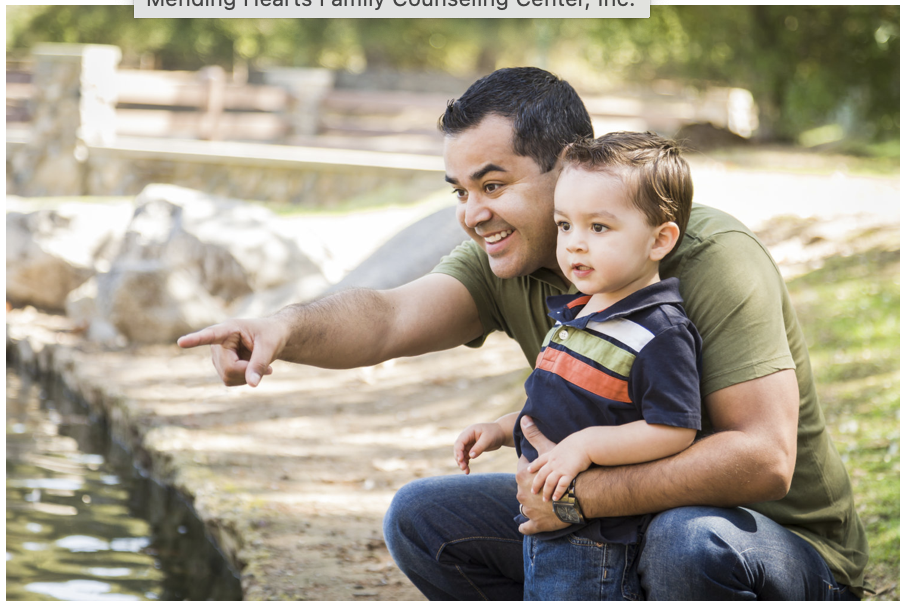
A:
(658, 177)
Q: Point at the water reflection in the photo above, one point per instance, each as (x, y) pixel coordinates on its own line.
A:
(82, 525)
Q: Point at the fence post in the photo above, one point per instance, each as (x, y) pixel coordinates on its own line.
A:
(308, 87)
(74, 108)
(215, 83)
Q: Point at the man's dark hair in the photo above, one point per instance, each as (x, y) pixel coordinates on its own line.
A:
(546, 111)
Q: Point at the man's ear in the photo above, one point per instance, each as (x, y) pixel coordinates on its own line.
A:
(666, 236)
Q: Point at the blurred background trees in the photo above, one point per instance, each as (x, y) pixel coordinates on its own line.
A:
(823, 72)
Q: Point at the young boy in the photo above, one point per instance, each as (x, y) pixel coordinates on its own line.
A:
(617, 379)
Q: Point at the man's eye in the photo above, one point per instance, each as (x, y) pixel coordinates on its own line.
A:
(491, 187)
(563, 225)
(459, 193)
(598, 228)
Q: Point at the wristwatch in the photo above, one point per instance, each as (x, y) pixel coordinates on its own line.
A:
(567, 508)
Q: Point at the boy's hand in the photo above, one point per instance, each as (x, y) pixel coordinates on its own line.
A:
(556, 468)
(476, 439)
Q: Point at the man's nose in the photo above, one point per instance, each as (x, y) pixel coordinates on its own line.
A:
(476, 212)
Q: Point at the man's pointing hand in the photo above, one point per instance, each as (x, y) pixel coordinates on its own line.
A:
(241, 350)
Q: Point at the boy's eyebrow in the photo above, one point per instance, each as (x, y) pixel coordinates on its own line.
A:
(591, 215)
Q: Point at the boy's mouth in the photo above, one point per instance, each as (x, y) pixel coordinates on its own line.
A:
(580, 267)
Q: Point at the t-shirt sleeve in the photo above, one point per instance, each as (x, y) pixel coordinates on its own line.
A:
(664, 380)
(469, 265)
(733, 293)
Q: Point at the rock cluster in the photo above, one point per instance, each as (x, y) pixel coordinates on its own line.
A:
(173, 261)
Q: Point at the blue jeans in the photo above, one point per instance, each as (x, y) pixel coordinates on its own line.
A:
(578, 569)
(455, 538)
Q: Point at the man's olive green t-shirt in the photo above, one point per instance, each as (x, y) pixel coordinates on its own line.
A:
(734, 294)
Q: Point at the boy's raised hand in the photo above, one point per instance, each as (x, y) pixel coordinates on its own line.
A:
(556, 468)
(476, 439)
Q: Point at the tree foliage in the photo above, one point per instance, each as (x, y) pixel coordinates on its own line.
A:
(808, 66)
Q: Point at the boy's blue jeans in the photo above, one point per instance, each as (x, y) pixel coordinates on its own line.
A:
(578, 569)
(455, 538)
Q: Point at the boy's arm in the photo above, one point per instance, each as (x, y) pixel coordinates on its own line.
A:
(636, 442)
(750, 459)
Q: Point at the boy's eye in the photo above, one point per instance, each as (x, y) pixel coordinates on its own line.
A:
(598, 228)
(563, 225)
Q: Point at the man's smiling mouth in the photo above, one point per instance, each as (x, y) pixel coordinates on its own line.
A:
(498, 236)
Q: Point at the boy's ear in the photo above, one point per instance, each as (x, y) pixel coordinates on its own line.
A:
(665, 238)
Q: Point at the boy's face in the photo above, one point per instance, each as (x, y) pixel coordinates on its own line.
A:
(604, 243)
(505, 201)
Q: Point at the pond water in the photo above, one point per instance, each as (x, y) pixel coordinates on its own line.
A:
(81, 521)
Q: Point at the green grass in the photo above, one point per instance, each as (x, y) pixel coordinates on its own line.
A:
(850, 312)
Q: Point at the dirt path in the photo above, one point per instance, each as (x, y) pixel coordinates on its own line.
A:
(293, 478)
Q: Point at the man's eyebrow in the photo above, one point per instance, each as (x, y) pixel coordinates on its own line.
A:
(478, 174)
(488, 168)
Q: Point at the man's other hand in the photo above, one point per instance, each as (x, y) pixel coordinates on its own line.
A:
(539, 512)
(241, 350)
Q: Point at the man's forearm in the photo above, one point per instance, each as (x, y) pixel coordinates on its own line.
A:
(720, 471)
(345, 330)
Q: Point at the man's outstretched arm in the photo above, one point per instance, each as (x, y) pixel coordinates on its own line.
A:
(749, 459)
(349, 329)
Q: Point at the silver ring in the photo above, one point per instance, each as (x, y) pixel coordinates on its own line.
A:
(522, 511)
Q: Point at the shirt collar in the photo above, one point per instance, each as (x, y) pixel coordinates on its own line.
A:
(565, 308)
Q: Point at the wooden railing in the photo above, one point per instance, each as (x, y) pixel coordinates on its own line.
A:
(207, 105)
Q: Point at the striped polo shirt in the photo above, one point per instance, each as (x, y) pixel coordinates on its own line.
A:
(639, 359)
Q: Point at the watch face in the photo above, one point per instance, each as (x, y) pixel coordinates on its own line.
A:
(566, 513)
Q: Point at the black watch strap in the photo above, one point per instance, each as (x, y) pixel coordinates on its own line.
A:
(567, 507)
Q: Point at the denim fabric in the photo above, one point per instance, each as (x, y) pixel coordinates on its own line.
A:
(712, 553)
(577, 569)
(455, 538)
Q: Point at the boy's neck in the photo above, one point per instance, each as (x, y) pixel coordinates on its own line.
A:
(604, 300)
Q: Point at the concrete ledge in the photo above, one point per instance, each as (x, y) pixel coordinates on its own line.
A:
(260, 154)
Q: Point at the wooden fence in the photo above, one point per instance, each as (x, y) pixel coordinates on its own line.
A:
(207, 105)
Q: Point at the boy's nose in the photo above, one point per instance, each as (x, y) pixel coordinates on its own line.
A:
(575, 244)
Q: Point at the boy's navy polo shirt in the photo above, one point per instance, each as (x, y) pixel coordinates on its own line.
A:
(639, 359)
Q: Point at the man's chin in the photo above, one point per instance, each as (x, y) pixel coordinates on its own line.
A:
(505, 268)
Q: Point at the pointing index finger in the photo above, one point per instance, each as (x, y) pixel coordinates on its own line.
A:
(206, 336)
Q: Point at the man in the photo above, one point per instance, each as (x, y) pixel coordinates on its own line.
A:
(765, 447)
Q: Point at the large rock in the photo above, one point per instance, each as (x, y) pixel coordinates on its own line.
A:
(184, 258)
(50, 252)
(152, 302)
(232, 248)
(407, 256)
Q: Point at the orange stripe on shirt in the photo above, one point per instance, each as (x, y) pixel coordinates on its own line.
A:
(582, 375)
(579, 301)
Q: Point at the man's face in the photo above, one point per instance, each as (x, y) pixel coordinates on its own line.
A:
(506, 203)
